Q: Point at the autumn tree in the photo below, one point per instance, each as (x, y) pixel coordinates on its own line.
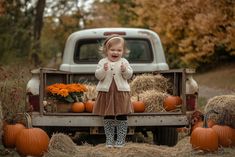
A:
(194, 33)
(15, 30)
(61, 19)
(110, 13)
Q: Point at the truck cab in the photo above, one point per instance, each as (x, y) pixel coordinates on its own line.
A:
(80, 58)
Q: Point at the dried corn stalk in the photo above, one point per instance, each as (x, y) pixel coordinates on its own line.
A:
(91, 92)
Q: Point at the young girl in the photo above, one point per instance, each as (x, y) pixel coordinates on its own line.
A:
(113, 100)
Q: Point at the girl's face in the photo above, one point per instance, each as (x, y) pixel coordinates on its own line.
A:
(115, 51)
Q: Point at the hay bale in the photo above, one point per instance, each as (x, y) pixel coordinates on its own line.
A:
(221, 104)
(146, 82)
(56, 153)
(61, 144)
(153, 100)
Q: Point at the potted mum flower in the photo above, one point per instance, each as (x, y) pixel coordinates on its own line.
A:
(66, 94)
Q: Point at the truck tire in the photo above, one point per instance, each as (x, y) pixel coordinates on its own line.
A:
(165, 136)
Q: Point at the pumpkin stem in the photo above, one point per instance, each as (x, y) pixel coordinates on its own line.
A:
(28, 120)
(205, 125)
(138, 97)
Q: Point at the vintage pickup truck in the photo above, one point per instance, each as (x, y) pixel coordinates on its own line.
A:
(79, 62)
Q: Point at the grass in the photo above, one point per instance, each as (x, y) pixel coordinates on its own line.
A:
(220, 78)
(13, 80)
(218, 81)
(201, 103)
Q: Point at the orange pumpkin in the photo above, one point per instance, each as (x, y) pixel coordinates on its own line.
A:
(210, 123)
(32, 141)
(89, 105)
(10, 133)
(78, 107)
(204, 138)
(171, 102)
(138, 106)
(180, 101)
(233, 139)
(225, 134)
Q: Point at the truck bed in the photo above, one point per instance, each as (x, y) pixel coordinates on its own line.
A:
(49, 76)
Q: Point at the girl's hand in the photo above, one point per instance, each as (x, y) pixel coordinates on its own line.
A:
(106, 66)
(123, 67)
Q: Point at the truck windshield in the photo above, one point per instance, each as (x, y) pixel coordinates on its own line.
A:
(87, 51)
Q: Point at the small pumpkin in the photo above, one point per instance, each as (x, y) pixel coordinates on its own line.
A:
(78, 107)
(10, 133)
(138, 106)
(89, 104)
(204, 138)
(32, 141)
(180, 101)
(171, 102)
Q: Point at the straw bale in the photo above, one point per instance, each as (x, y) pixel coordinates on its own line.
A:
(145, 82)
(220, 104)
(153, 100)
(61, 143)
(56, 153)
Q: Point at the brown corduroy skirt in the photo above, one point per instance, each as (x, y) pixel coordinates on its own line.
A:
(113, 103)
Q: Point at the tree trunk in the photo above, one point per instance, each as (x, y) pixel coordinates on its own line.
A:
(38, 25)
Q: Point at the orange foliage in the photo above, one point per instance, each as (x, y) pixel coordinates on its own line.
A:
(194, 32)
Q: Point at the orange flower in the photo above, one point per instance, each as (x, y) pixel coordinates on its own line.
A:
(65, 90)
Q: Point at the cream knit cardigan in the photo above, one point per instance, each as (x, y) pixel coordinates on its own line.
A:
(114, 72)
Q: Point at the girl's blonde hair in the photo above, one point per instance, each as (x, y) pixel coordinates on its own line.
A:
(109, 41)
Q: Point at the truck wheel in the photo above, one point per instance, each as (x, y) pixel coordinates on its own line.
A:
(165, 136)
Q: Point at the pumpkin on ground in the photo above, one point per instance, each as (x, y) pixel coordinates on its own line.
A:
(225, 133)
(89, 104)
(138, 106)
(204, 138)
(171, 102)
(78, 107)
(10, 133)
(210, 123)
(233, 141)
(32, 141)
